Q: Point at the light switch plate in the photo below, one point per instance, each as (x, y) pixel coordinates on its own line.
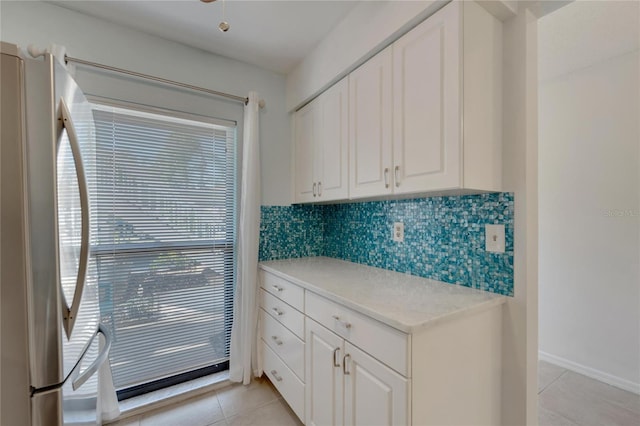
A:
(494, 238)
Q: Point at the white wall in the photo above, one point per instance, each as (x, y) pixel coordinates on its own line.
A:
(590, 190)
(369, 27)
(85, 37)
(520, 176)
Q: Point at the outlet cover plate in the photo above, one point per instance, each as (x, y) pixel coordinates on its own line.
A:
(398, 232)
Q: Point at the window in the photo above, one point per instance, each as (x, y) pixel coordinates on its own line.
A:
(164, 230)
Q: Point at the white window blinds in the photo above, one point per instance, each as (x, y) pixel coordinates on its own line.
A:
(164, 209)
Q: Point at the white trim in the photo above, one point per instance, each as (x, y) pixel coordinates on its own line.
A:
(607, 378)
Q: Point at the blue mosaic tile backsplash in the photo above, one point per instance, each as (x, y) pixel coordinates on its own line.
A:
(444, 237)
(291, 231)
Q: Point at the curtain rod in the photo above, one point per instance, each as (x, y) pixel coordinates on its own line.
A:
(244, 100)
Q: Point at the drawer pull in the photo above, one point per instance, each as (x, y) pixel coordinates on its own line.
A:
(275, 375)
(335, 352)
(278, 341)
(344, 365)
(277, 287)
(277, 311)
(344, 323)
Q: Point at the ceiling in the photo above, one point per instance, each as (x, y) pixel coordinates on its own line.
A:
(271, 34)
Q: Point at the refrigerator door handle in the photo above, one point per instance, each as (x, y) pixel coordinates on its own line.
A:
(70, 312)
(77, 379)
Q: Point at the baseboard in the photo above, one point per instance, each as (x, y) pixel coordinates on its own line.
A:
(601, 376)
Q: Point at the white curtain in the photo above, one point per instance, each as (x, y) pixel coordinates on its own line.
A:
(108, 408)
(243, 357)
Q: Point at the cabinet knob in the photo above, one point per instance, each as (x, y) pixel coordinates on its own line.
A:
(396, 175)
(277, 311)
(386, 177)
(276, 340)
(335, 356)
(319, 189)
(275, 375)
(314, 188)
(277, 287)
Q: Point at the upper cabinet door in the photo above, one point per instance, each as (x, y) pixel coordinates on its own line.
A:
(304, 183)
(370, 133)
(426, 91)
(332, 151)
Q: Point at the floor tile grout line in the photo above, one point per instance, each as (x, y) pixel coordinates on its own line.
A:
(226, 418)
(552, 382)
(559, 415)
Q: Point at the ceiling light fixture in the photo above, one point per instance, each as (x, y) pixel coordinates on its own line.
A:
(224, 25)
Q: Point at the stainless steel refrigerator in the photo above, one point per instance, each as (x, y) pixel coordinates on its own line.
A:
(52, 344)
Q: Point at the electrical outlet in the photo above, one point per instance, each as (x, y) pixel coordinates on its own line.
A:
(398, 232)
(494, 238)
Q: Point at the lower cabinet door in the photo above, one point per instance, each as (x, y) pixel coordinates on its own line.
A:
(323, 372)
(374, 394)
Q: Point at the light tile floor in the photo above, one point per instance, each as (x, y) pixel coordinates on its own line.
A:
(566, 398)
(256, 404)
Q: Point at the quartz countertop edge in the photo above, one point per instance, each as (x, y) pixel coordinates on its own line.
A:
(405, 302)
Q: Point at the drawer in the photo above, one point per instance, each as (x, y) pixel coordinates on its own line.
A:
(289, 386)
(285, 314)
(283, 342)
(283, 289)
(379, 340)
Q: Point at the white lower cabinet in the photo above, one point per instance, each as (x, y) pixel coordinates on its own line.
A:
(374, 394)
(346, 386)
(350, 369)
(281, 329)
(290, 387)
(324, 353)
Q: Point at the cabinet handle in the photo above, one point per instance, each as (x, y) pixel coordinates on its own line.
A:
(335, 352)
(275, 375)
(396, 173)
(277, 311)
(314, 189)
(386, 177)
(278, 341)
(344, 323)
(344, 365)
(319, 189)
(277, 287)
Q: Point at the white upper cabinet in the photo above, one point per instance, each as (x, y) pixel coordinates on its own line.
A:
(333, 149)
(370, 132)
(446, 96)
(321, 147)
(426, 105)
(304, 183)
(425, 115)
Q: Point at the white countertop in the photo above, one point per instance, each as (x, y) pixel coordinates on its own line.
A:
(405, 302)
